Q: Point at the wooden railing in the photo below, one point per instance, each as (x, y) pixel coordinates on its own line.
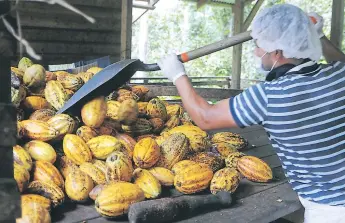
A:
(223, 82)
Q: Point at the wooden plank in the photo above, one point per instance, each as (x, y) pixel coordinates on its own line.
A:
(262, 151)
(238, 10)
(71, 36)
(205, 93)
(95, 3)
(126, 29)
(273, 161)
(337, 26)
(252, 14)
(257, 138)
(74, 22)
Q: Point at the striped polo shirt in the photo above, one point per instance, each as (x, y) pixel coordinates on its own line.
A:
(304, 116)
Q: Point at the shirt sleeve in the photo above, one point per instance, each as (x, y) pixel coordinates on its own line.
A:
(249, 107)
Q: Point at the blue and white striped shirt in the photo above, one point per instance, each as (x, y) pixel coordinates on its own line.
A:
(304, 116)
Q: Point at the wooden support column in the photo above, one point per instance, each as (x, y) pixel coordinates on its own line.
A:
(252, 14)
(126, 29)
(337, 22)
(237, 9)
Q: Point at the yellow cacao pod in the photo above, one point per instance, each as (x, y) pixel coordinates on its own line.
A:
(92, 171)
(156, 109)
(69, 93)
(34, 213)
(94, 112)
(86, 133)
(114, 200)
(119, 167)
(50, 76)
(142, 107)
(96, 191)
(128, 142)
(146, 153)
(66, 166)
(102, 146)
(42, 151)
(19, 73)
(180, 166)
(254, 169)
(171, 123)
(113, 109)
(147, 182)
(232, 159)
(235, 140)
(146, 136)
(101, 165)
(127, 95)
(78, 186)
(128, 112)
(28, 199)
(174, 110)
(47, 172)
(34, 76)
(55, 94)
(193, 179)
(42, 115)
(163, 175)
(22, 176)
(49, 190)
(22, 157)
(85, 76)
(33, 103)
(173, 150)
(212, 160)
(94, 70)
(76, 149)
(65, 124)
(157, 125)
(225, 149)
(226, 179)
(71, 82)
(39, 130)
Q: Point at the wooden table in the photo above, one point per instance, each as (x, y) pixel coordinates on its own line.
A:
(255, 202)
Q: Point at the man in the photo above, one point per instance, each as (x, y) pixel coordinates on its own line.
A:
(301, 105)
(8, 44)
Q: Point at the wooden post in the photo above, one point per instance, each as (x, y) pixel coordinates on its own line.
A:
(126, 29)
(238, 9)
(252, 14)
(337, 23)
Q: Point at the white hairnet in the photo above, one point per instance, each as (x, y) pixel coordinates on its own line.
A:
(286, 27)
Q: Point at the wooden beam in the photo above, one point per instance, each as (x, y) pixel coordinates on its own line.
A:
(238, 10)
(252, 14)
(337, 26)
(126, 29)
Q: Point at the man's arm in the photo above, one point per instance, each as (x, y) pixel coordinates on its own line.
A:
(330, 51)
(206, 116)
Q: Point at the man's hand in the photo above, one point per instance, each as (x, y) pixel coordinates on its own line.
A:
(171, 67)
(318, 24)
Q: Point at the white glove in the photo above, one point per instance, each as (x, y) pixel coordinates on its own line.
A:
(318, 24)
(172, 68)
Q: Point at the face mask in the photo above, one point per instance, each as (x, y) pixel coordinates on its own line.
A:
(259, 66)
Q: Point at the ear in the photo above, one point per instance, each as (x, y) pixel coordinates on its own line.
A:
(277, 54)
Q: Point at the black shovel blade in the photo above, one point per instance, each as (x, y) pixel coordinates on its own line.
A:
(103, 83)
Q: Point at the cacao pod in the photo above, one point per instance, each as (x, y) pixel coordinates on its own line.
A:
(34, 76)
(128, 95)
(101, 165)
(140, 90)
(157, 125)
(42, 115)
(193, 178)
(78, 186)
(237, 141)
(180, 166)
(147, 182)
(22, 157)
(212, 160)
(47, 172)
(76, 149)
(69, 93)
(33, 103)
(225, 149)
(28, 199)
(254, 169)
(102, 146)
(85, 76)
(146, 136)
(18, 72)
(66, 166)
(173, 150)
(156, 109)
(128, 112)
(112, 96)
(119, 167)
(48, 190)
(50, 76)
(39, 92)
(226, 179)
(20, 130)
(41, 151)
(93, 113)
(21, 175)
(92, 171)
(174, 110)
(114, 200)
(71, 82)
(141, 127)
(24, 63)
(142, 107)
(171, 123)
(94, 70)
(86, 133)
(55, 94)
(113, 109)
(146, 153)
(18, 95)
(39, 130)
(163, 175)
(128, 143)
(34, 212)
(96, 191)
(65, 124)
(232, 159)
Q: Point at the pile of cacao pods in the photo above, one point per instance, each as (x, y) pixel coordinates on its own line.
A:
(125, 147)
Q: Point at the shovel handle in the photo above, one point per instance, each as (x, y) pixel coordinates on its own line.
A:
(203, 51)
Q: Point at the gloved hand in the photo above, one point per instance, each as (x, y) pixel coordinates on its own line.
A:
(171, 67)
(318, 24)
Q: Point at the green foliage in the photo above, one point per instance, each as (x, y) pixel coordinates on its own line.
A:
(180, 26)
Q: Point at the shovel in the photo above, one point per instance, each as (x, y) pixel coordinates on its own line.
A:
(117, 74)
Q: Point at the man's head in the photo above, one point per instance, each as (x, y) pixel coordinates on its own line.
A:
(284, 34)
